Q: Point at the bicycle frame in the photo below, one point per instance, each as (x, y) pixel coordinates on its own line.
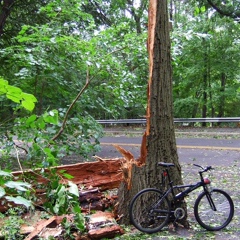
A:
(190, 188)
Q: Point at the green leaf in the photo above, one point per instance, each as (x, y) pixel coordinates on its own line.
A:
(61, 201)
(4, 173)
(196, 11)
(73, 189)
(51, 117)
(48, 152)
(28, 105)
(56, 208)
(31, 119)
(40, 123)
(203, 9)
(21, 186)
(14, 94)
(28, 101)
(77, 209)
(20, 200)
(3, 84)
(68, 176)
(2, 192)
(61, 191)
(28, 97)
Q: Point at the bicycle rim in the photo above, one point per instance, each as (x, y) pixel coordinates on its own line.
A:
(207, 217)
(148, 211)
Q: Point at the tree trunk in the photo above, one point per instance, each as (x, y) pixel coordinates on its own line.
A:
(5, 10)
(205, 83)
(160, 135)
(222, 95)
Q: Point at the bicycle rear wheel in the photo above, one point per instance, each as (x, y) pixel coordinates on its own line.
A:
(149, 211)
(210, 218)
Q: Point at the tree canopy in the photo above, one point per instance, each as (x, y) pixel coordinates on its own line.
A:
(49, 49)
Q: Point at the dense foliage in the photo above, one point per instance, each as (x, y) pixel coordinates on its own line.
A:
(65, 64)
(87, 60)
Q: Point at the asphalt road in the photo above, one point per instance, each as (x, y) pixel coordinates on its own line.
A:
(204, 151)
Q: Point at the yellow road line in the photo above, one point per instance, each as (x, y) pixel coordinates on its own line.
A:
(211, 148)
(178, 146)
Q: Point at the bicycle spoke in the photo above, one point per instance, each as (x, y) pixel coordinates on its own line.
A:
(148, 212)
(214, 219)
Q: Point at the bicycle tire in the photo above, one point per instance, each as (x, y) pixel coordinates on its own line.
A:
(214, 220)
(149, 212)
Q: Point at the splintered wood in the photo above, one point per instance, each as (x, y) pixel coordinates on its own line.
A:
(126, 165)
(103, 174)
(103, 225)
(94, 199)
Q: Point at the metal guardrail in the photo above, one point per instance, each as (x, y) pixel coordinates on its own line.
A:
(176, 120)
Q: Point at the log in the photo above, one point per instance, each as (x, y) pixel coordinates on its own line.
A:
(105, 174)
(107, 232)
(94, 199)
(103, 225)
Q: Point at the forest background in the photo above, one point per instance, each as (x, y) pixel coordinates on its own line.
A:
(65, 64)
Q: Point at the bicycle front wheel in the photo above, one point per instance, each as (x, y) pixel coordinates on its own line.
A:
(149, 212)
(214, 210)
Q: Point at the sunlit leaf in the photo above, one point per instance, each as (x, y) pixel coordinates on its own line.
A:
(28, 105)
(14, 94)
(20, 200)
(21, 186)
(4, 173)
(2, 192)
(73, 189)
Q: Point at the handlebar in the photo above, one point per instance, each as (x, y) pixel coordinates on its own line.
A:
(204, 169)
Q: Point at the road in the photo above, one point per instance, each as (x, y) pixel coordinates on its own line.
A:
(207, 151)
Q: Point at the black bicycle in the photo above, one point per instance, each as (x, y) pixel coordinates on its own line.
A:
(150, 210)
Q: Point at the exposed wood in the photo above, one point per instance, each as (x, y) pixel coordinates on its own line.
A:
(126, 165)
(41, 225)
(142, 159)
(103, 225)
(94, 199)
(150, 47)
(104, 174)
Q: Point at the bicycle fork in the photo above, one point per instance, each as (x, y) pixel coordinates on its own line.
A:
(211, 203)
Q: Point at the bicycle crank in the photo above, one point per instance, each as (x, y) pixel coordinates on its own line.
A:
(179, 213)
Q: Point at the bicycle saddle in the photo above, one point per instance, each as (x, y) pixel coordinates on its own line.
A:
(162, 164)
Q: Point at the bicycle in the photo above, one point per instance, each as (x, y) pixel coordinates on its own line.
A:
(150, 209)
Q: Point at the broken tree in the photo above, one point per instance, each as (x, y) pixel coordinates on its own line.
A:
(103, 174)
(159, 143)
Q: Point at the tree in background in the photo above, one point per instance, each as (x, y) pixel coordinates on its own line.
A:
(206, 70)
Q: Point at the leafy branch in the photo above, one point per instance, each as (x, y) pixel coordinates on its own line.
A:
(71, 106)
(88, 80)
(229, 13)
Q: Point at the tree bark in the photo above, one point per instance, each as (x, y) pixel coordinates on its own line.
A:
(5, 12)
(160, 135)
(222, 95)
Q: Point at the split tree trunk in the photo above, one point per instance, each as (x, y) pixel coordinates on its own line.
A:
(160, 135)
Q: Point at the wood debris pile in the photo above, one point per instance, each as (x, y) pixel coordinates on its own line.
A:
(96, 177)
